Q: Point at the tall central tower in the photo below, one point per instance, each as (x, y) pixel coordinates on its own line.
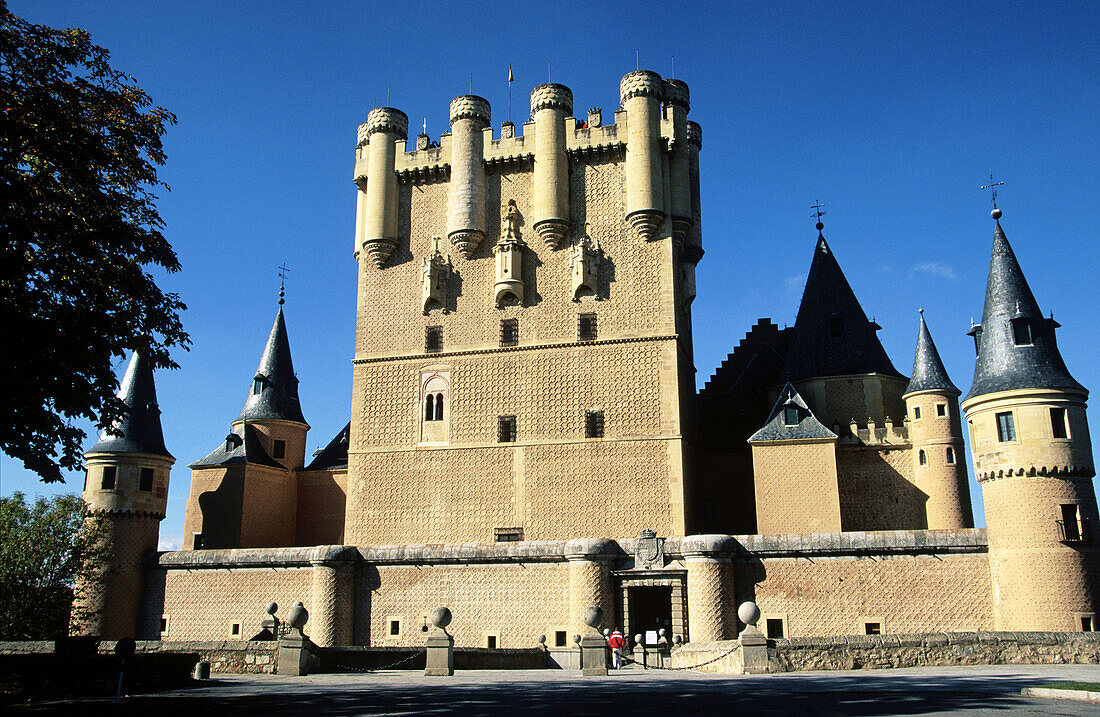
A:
(523, 356)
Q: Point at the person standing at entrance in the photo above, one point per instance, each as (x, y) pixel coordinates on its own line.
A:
(616, 642)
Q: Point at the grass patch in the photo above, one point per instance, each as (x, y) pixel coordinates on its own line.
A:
(1081, 686)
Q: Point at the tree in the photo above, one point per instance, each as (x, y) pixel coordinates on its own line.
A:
(44, 549)
(78, 229)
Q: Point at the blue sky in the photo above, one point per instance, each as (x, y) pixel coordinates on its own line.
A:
(891, 113)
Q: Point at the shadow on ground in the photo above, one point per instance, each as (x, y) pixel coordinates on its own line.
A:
(879, 693)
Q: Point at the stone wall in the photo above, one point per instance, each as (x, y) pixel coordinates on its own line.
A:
(877, 489)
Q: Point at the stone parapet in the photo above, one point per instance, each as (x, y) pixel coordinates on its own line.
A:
(885, 542)
(254, 557)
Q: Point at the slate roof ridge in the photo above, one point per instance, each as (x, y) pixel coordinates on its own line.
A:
(139, 429)
(247, 448)
(333, 455)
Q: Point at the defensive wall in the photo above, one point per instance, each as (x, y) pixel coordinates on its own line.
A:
(505, 595)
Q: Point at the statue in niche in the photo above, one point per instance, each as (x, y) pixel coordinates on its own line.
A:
(585, 267)
(435, 275)
(508, 289)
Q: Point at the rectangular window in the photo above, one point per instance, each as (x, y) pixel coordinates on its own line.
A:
(433, 339)
(774, 628)
(491, 641)
(560, 639)
(593, 424)
(950, 455)
(1058, 426)
(395, 628)
(922, 458)
(1086, 624)
(197, 541)
(257, 386)
(508, 535)
(1006, 427)
(110, 473)
(790, 415)
(916, 413)
(506, 429)
(941, 409)
(1070, 524)
(1021, 332)
(278, 449)
(509, 332)
(872, 628)
(146, 483)
(235, 629)
(164, 626)
(586, 327)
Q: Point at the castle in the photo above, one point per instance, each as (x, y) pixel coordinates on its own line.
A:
(526, 438)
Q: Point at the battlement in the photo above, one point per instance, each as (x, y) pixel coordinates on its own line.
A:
(874, 434)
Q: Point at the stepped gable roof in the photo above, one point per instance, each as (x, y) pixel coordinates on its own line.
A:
(277, 397)
(1002, 365)
(928, 371)
(335, 454)
(832, 336)
(240, 446)
(138, 431)
(776, 428)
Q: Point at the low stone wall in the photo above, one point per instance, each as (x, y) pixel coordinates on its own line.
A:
(238, 656)
(962, 648)
(722, 656)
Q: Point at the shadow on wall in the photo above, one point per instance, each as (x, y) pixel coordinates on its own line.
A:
(221, 510)
(874, 495)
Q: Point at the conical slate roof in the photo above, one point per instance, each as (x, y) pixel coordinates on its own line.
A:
(928, 371)
(335, 454)
(138, 431)
(277, 397)
(832, 336)
(776, 427)
(1002, 364)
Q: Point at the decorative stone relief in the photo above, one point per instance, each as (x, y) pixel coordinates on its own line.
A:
(585, 267)
(435, 274)
(509, 252)
(649, 551)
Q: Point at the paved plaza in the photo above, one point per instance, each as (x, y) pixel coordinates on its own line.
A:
(918, 691)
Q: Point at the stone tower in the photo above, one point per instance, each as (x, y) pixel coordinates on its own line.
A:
(537, 382)
(935, 429)
(126, 485)
(1033, 458)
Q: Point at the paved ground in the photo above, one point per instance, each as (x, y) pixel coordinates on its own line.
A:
(919, 691)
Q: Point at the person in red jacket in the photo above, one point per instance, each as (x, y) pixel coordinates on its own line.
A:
(616, 642)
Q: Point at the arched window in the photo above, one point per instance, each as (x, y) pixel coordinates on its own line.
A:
(429, 407)
(439, 406)
(950, 454)
(922, 458)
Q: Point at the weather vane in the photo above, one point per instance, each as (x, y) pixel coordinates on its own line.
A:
(992, 187)
(283, 271)
(819, 211)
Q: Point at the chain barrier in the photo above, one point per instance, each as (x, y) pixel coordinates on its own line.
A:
(352, 668)
(626, 659)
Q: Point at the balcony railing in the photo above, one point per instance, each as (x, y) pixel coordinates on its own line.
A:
(1075, 531)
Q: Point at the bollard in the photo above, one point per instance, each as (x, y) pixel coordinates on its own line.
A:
(295, 647)
(593, 645)
(202, 670)
(662, 647)
(440, 658)
(754, 646)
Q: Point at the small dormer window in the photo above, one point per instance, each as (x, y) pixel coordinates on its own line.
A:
(1021, 332)
(790, 415)
(257, 386)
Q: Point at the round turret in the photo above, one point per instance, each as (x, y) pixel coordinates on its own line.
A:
(641, 93)
(386, 119)
(378, 223)
(550, 104)
(641, 83)
(676, 94)
(469, 115)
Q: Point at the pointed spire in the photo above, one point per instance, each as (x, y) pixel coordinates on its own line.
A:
(1016, 343)
(831, 335)
(138, 431)
(928, 371)
(274, 391)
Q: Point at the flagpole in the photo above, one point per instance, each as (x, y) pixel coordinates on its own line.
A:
(509, 91)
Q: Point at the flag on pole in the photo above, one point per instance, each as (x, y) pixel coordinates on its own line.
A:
(510, 77)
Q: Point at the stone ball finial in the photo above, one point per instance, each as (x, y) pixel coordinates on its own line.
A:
(298, 616)
(441, 617)
(749, 613)
(272, 608)
(542, 639)
(384, 119)
(471, 107)
(641, 83)
(551, 96)
(607, 632)
(661, 632)
(638, 639)
(592, 616)
(577, 639)
(677, 639)
(996, 213)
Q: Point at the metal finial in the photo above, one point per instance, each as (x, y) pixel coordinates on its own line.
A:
(283, 271)
(992, 187)
(921, 311)
(819, 211)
